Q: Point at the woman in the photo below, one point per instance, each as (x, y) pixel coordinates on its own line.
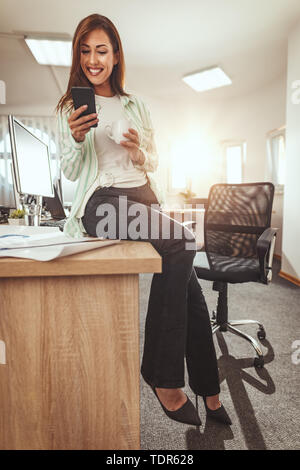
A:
(108, 174)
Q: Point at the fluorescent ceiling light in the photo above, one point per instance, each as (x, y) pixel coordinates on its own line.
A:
(51, 51)
(207, 79)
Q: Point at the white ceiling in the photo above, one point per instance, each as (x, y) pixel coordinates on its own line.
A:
(162, 39)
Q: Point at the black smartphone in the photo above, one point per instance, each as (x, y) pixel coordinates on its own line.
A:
(84, 95)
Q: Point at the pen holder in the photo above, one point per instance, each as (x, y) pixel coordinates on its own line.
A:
(32, 214)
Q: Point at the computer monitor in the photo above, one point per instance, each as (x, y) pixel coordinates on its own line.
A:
(31, 161)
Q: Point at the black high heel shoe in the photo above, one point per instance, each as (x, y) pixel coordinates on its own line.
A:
(220, 414)
(186, 414)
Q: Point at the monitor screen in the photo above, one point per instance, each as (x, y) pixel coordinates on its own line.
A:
(31, 161)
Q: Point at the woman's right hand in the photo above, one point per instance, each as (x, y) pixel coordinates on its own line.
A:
(79, 126)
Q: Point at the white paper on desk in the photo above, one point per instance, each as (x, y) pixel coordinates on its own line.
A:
(47, 253)
(20, 241)
(26, 229)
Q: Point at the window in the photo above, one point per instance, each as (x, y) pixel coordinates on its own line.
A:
(276, 157)
(191, 160)
(234, 161)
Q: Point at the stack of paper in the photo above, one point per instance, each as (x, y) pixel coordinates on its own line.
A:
(43, 245)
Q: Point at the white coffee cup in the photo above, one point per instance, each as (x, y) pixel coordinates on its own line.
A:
(117, 129)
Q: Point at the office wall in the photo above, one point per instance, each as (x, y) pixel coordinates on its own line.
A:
(291, 220)
(249, 118)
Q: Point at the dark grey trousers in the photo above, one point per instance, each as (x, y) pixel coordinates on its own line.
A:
(177, 323)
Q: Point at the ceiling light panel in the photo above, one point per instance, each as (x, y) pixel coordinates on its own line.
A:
(208, 79)
(51, 51)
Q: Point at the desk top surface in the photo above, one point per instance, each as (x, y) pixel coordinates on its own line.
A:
(125, 257)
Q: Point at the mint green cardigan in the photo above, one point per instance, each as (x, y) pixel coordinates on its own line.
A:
(79, 160)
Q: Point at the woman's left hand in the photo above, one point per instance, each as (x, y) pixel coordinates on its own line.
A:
(132, 146)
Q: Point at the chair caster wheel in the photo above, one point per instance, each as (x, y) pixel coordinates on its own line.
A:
(259, 362)
(261, 334)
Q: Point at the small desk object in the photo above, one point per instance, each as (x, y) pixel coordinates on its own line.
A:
(69, 349)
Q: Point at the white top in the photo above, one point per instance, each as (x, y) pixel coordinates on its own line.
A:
(115, 167)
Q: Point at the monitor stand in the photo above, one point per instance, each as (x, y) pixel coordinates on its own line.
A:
(33, 211)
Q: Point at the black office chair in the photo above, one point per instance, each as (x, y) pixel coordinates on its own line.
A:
(239, 246)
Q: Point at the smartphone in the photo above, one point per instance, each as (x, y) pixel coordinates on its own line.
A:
(84, 95)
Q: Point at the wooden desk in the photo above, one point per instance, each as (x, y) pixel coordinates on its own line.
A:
(70, 328)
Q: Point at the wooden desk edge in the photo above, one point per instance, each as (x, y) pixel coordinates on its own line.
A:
(122, 258)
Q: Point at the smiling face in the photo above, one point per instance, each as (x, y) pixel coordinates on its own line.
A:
(97, 60)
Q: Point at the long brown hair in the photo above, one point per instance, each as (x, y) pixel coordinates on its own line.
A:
(77, 77)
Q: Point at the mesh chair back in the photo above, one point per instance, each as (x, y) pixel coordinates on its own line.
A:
(237, 214)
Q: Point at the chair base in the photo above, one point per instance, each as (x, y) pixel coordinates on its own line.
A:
(230, 326)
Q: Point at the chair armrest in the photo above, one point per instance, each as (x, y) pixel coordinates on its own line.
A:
(265, 250)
